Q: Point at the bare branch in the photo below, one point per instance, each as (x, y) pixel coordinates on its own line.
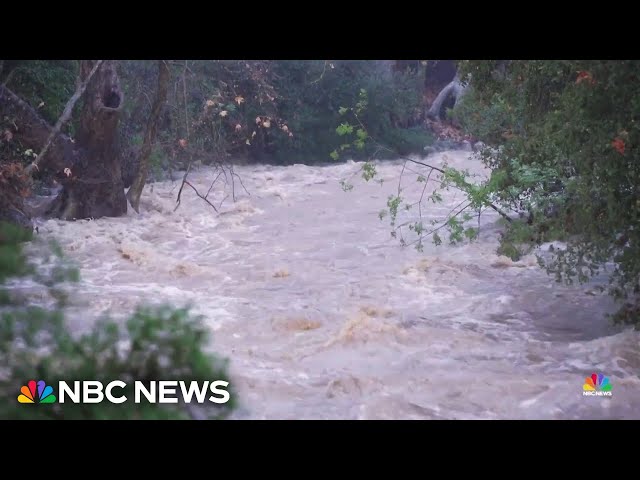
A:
(66, 114)
(228, 178)
(241, 183)
(184, 93)
(184, 179)
(200, 195)
(440, 170)
(212, 184)
(222, 201)
(9, 76)
(321, 75)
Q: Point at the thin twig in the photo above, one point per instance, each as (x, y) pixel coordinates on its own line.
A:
(10, 76)
(233, 184)
(402, 157)
(222, 201)
(426, 183)
(200, 195)
(444, 224)
(321, 75)
(241, 183)
(212, 184)
(66, 114)
(184, 179)
(184, 92)
(400, 179)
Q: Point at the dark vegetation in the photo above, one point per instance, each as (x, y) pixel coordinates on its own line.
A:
(36, 342)
(90, 134)
(568, 133)
(560, 138)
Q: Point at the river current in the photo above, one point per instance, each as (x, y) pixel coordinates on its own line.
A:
(323, 315)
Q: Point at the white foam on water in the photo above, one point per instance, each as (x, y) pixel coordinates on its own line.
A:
(324, 315)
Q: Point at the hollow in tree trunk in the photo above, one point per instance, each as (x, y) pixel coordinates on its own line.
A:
(93, 185)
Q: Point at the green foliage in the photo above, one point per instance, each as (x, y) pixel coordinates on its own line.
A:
(383, 118)
(280, 111)
(568, 136)
(155, 343)
(317, 94)
(355, 132)
(368, 171)
(344, 129)
(45, 84)
(13, 261)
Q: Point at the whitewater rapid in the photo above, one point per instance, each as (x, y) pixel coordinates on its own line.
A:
(323, 315)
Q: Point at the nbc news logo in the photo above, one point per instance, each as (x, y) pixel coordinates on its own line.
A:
(92, 391)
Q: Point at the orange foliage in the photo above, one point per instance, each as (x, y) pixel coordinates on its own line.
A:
(619, 145)
(584, 76)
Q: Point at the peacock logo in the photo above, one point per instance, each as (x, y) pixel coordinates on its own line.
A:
(597, 385)
(44, 393)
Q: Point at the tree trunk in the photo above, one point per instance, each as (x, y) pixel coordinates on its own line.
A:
(93, 187)
(455, 88)
(134, 193)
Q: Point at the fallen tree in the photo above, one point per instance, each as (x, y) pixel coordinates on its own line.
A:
(449, 95)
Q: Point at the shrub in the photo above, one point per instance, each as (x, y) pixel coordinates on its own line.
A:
(155, 343)
(567, 133)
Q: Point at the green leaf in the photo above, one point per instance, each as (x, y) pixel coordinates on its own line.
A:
(344, 129)
(471, 233)
(436, 238)
(435, 197)
(368, 171)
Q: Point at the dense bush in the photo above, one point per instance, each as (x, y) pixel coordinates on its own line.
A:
(567, 133)
(280, 111)
(317, 90)
(45, 84)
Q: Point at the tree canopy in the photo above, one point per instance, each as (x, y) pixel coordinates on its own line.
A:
(567, 132)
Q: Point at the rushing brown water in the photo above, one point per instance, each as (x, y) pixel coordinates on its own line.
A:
(323, 315)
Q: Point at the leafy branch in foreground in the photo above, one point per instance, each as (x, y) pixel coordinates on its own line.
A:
(478, 196)
(154, 343)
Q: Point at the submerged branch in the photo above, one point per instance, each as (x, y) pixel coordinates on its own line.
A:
(228, 181)
(186, 182)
